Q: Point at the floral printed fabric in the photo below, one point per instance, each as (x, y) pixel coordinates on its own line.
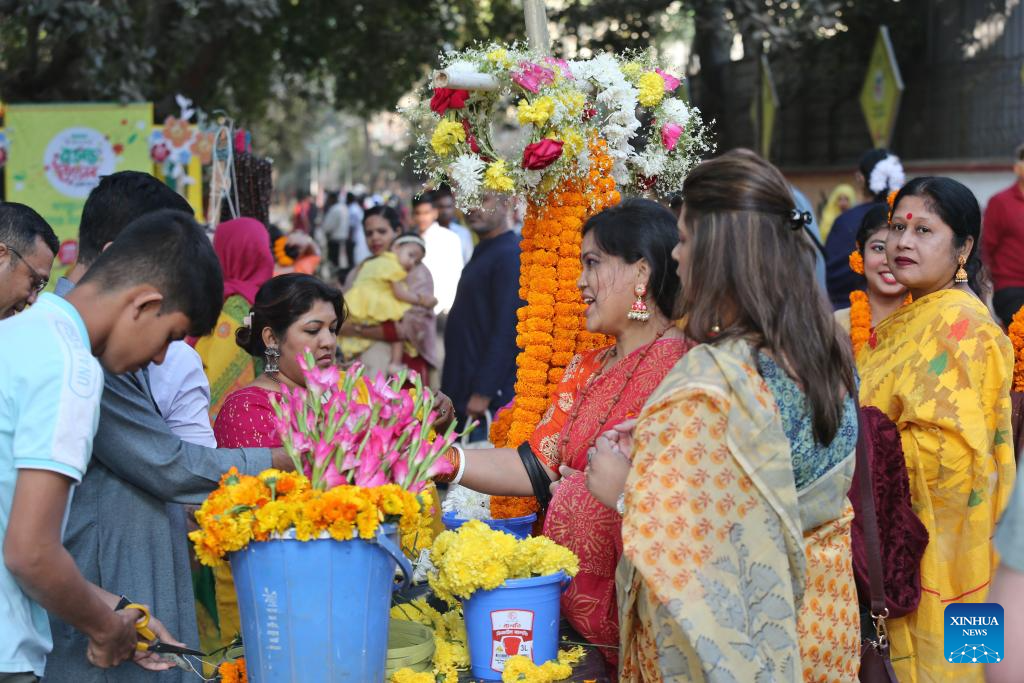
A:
(941, 369)
(717, 567)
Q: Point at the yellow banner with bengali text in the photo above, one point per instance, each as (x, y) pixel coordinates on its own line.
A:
(58, 152)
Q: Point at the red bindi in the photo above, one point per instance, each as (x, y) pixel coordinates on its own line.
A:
(909, 216)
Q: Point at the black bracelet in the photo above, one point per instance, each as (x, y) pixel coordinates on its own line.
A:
(539, 479)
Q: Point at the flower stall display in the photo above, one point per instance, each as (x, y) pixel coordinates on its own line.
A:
(301, 543)
(568, 135)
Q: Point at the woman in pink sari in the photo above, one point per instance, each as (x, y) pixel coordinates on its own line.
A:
(626, 256)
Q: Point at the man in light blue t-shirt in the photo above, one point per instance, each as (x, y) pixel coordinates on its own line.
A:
(130, 305)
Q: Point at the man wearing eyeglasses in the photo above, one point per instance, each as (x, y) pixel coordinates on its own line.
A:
(27, 249)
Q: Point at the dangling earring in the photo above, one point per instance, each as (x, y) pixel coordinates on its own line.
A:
(639, 310)
(270, 367)
(961, 272)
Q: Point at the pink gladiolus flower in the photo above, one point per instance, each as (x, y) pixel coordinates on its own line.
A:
(439, 466)
(670, 133)
(321, 380)
(532, 76)
(671, 82)
(321, 451)
(333, 477)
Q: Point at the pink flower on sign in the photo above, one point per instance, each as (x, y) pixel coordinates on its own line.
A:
(532, 76)
(561, 65)
(671, 82)
(670, 133)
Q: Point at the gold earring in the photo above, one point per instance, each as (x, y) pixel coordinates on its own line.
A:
(961, 273)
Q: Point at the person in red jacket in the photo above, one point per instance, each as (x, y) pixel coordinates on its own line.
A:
(1002, 244)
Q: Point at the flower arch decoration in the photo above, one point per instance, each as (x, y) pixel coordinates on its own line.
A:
(576, 133)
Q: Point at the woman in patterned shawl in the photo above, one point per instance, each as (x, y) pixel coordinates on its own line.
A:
(736, 526)
(626, 253)
(940, 368)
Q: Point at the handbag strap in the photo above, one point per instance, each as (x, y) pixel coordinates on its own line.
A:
(872, 542)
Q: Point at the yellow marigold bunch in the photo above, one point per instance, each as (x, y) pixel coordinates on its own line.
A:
(1016, 331)
(538, 112)
(499, 57)
(420, 536)
(409, 676)
(520, 669)
(476, 557)
(246, 508)
(652, 89)
(233, 671)
(451, 654)
(447, 136)
(496, 177)
(860, 320)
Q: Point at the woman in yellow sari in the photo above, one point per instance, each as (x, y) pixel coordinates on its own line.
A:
(940, 368)
(736, 529)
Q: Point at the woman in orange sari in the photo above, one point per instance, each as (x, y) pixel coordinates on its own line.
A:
(627, 268)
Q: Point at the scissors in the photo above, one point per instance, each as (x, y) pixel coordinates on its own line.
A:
(148, 642)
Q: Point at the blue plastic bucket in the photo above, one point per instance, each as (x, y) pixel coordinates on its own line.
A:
(517, 526)
(317, 610)
(518, 618)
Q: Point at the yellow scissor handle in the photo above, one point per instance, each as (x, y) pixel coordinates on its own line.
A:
(146, 635)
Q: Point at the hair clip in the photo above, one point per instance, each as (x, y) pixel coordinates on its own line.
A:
(247, 320)
(799, 219)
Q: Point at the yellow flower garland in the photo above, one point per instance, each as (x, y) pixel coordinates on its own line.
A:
(246, 508)
(1016, 331)
(451, 653)
(521, 669)
(550, 328)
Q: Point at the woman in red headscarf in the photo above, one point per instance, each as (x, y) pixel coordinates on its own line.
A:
(245, 257)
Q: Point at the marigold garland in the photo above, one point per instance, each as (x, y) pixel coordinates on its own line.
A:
(233, 671)
(1016, 331)
(551, 329)
(247, 508)
(451, 652)
(856, 262)
(280, 255)
(521, 669)
(860, 319)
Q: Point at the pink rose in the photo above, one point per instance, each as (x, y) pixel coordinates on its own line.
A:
(561, 65)
(532, 76)
(671, 82)
(542, 154)
(670, 133)
(447, 98)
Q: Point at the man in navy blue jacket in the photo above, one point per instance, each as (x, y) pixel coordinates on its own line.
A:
(480, 338)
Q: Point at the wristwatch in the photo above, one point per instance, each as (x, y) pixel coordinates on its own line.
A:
(620, 504)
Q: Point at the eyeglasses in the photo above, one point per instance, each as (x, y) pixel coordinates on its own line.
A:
(39, 281)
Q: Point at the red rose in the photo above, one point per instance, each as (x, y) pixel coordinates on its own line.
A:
(470, 138)
(589, 113)
(447, 98)
(542, 154)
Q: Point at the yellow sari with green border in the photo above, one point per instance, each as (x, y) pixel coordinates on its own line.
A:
(940, 368)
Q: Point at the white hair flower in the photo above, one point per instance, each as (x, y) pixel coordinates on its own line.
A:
(887, 175)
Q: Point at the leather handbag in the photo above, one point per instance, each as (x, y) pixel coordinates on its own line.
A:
(875, 664)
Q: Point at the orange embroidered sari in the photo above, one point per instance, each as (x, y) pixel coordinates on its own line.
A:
(575, 518)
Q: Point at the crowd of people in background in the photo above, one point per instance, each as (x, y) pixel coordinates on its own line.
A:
(711, 443)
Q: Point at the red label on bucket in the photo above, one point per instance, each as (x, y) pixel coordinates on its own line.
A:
(511, 635)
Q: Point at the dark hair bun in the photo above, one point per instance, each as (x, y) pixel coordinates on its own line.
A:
(279, 303)
(244, 339)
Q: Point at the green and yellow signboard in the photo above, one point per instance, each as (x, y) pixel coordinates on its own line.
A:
(882, 90)
(58, 152)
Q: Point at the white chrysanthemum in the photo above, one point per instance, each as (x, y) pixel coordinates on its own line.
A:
(675, 110)
(887, 175)
(467, 173)
(466, 503)
(651, 164)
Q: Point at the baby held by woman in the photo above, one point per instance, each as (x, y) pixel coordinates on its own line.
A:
(380, 294)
